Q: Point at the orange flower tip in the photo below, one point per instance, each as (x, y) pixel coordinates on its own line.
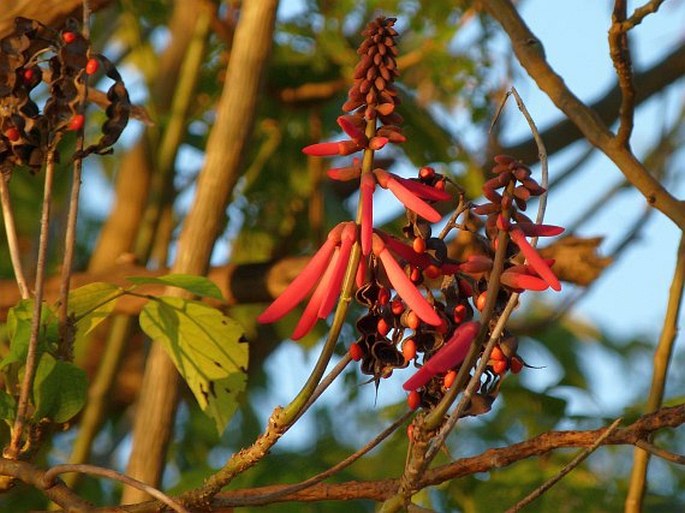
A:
(520, 281)
(351, 129)
(324, 149)
(382, 176)
(377, 143)
(378, 246)
(476, 264)
(343, 174)
(349, 232)
(504, 159)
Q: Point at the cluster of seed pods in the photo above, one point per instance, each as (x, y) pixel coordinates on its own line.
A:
(35, 54)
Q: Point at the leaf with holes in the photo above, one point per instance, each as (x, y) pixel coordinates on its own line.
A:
(198, 285)
(207, 348)
(59, 389)
(92, 304)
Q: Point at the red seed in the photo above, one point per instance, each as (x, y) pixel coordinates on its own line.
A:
(414, 400)
(76, 122)
(409, 349)
(412, 320)
(68, 37)
(480, 301)
(419, 244)
(440, 185)
(449, 378)
(383, 296)
(499, 367)
(356, 352)
(382, 327)
(28, 75)
(426, 173)
(92, 66)
(13, 134)
(432, 272)
(459, 313)
(415, 275)
(497, 354)
(396, 307)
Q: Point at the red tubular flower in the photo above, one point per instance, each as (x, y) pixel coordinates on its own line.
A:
(409, 199)
(348, 237)
(533, 258)
(353, 130)
(327, 267)
(316, 302)
(476, 264)
(540, 230)
(448, 356)
(407, 253)
(519, 278)
(347, 173)
(404, 287)
(331, 149)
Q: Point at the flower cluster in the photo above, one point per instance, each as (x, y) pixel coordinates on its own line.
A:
(421, 304)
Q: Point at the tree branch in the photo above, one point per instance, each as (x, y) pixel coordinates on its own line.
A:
(530, 54)
(564, 133)
(633, 434)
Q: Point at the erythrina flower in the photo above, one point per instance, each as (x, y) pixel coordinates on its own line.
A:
(533, 257)
(412, 194)
(403, 285)
(328, 264)
(448, 356)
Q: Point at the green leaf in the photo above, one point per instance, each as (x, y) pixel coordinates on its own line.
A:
(59, 389)
(207, 348)
(8, 406)
(198, 285)
(19, 331)
(92, 304)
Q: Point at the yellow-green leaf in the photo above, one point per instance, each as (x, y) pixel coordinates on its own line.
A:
(207, 348)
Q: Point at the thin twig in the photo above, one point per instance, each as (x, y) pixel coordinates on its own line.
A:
(568, 468)
(269, 498)
(12, 239)
(13, 449)
(640, 14)
(662, 359)
(52, 473)
(660, 453)
(619, 50)
(66, 330)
